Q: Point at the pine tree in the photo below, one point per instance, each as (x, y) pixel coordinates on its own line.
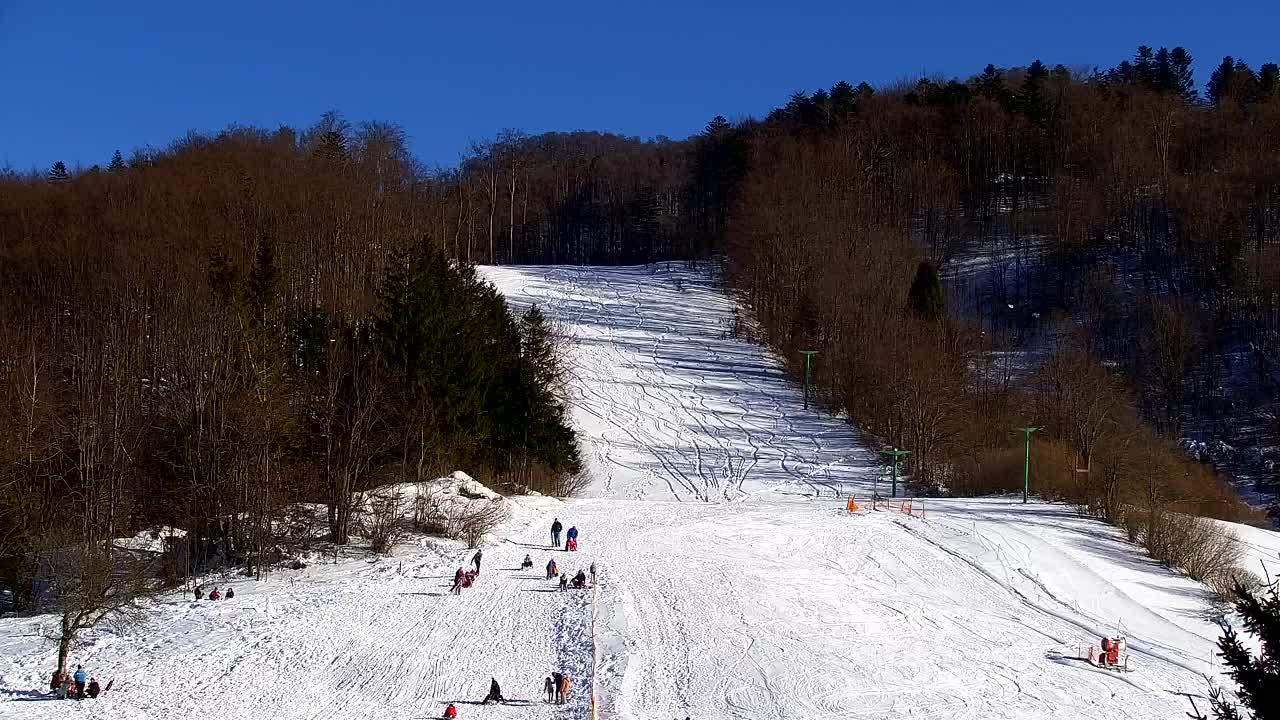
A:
(58, 173)
(1257, 678)
(1183, 82)
(1031, 94)
(991, 84)
(1269, 80)
(1144, 67)
(925, 297)
(1233, 79)
(117, 162)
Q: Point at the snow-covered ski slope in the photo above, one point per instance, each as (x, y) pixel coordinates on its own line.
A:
(733, 582)
(783, 605)
(670, 404)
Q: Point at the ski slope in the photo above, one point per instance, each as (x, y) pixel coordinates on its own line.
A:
(672, 407)
(733, 582)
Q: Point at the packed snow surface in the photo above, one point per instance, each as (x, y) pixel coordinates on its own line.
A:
(733, 582)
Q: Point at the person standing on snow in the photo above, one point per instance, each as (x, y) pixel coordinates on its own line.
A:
(593, 574)
(495, 693)
(556, 527)
(564, 581)
(457, 582)
(476, 559)
(551, 568)
(572, 534)
(558, 679)
(548, 687)
(80, 677)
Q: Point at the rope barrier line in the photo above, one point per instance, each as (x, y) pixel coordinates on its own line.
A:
(594, 661)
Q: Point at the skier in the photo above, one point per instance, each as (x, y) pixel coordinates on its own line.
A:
(564, 580)
(558, 678)
(215, 595)
(230, 593)
(476, 560)
(94, 688)
(528, 563)
(80, 677)
(551, 568)
(555, 532)
(548, 687)
(495, 693)
(450, 712)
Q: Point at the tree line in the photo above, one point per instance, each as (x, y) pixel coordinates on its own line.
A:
(202, 337)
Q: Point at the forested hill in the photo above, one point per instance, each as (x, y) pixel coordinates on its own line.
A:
(1128, 224)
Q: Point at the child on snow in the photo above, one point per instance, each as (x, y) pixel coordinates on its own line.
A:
(450, 712)
(548, 687)
(551, 568)
(527, 563)
(564, 581)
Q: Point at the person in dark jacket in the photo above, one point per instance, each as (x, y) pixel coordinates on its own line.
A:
(495, 692)
(558, 679)
(564, 581)
(94, 688)
(556, 527)
(527, 563)
(230, 594)
(549, 687)
(580, 580)
(476, 559)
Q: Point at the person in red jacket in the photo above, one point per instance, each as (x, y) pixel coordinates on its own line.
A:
(450, 712)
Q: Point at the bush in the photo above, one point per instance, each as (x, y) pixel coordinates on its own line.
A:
(381, 519)
(1202, 549)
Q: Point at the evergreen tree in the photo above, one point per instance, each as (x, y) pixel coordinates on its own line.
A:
(117, 162)
(1233, 79)
(1183, 82)
(1144, 67)
(1257, 678)
(925, 297)
(1031, 95)
(844, 99)
(1269, 80)
(58, 173)
(991, 84)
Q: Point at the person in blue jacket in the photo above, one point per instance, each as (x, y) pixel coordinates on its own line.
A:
(572, 534)
(80, 677)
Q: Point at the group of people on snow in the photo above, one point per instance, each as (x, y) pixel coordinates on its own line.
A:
(75, 686)
(215, 594)
(571, 537)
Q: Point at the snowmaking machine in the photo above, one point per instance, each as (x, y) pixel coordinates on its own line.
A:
(1112, 654)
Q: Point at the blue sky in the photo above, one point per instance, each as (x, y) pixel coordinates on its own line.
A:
(81, 79)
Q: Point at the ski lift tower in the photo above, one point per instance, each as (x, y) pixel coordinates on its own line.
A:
(808, 354)
(1026, 460)
(895, 453)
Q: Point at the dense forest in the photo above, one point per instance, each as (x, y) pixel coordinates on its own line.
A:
(1126, 224)
(205, 336)
(201, 335)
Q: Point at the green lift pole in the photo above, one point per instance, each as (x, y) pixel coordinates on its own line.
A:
(895, 453)
(808, 354)
(1026, 460)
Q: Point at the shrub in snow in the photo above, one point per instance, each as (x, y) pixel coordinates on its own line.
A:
(459, 507)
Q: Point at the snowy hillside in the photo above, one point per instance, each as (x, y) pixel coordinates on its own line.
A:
(733, 582)
(673, 407)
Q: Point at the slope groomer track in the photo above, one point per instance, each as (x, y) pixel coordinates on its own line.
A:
(739, 586)
(733, 582)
